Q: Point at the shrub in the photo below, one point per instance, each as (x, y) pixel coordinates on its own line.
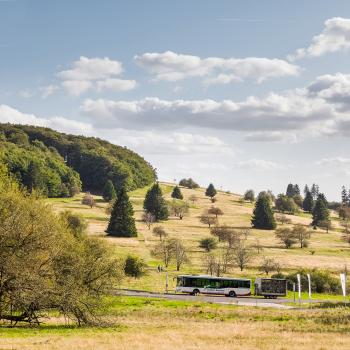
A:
(208, 243)
(134, 266)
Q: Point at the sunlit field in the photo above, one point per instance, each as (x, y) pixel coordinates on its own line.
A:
(325, 251)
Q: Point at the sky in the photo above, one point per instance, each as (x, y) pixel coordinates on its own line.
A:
(243, 94)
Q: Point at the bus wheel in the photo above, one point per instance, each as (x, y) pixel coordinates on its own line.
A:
(232, 294)
(195, 292)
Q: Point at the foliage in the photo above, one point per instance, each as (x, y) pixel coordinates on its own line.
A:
(189, 183)
(178, 208)
(283, 219)
(292, 190)
(286, 236)
(176, 194)
(208, 244)
(88, 199)
(210, 191)
(285, 203)
(320, 212)
(122, 222)
(160, 232)
(45, 265)
(215, 211)
(40, 169)
(249, 195)
(208, 219)
(75, 223)
(155, 203)
(94, 159)
(193, 198)
(134, 266)
(308, 203)
(108, 193)
(263, 216)
(225, 234)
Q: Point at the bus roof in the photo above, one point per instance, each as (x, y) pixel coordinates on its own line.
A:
(214, 277)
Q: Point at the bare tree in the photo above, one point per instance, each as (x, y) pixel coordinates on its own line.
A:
(301, 234)
(225, 234)
(346, 224)
(257, 245)
(193, 198)
(208, 219)
(286, 236)
(88, 199)
(245, 232)
(160, 232)
(164, 251)
(210, 264)
(179, 208)
(268, 265)
(242, 254)
(346, 238)
(215, 211)
(148, 218)
(179, 253)
(325, 225)
(283, 219)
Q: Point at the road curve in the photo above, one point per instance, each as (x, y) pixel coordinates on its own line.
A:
(243, 301)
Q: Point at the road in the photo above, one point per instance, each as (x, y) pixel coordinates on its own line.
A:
(243, 301)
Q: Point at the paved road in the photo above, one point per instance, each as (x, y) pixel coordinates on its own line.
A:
(244, 301)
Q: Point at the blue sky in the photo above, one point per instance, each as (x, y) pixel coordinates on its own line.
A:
(215, 90)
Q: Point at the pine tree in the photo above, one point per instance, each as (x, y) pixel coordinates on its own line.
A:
(320, 212)
(109, 191)
(308, 202)
(155, 203)
(306, 190)
(263, 216)
(344, 196)
(290, 190)
(314, 191)
(296, 190)
(177, 193)
(210, 191)
(122, 222)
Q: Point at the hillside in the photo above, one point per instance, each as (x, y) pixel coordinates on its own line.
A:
(93, 159)
(325, 251)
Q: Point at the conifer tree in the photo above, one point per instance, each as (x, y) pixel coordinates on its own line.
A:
(290, 190)
(308, 202)
(155, 203)
(177, 193)
(296, 190)
(306, 190)
(344, 196)
(109, 191)
(122, 222)
(320, 212)
(210, 191)
(263, 216)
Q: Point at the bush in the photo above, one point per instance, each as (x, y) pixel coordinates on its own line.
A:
(208, 243)
(189, 183)
(134, 266)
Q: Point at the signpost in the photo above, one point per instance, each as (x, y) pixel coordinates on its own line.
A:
(343, 285)
(309, 280)
(299, 288)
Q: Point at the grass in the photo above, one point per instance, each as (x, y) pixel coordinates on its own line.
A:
(329, 251)
(141, 323)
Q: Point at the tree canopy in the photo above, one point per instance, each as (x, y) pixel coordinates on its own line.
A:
(263, 216)
(176, 194)
(155, 203)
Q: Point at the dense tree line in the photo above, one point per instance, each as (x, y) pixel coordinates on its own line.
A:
(38, 167)
(96, 160)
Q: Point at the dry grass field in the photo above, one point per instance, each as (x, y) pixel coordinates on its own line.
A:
(325, 251)
(155, 324)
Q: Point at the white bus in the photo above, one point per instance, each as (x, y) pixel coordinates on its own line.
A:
(196, 284)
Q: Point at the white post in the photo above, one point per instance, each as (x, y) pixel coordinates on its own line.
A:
(309, 280)
(299, 288)
(343, 284)
(166, 283)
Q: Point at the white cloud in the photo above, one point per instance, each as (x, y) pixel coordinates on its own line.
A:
(334, 37)
(94, 73)
(12, 115)
(170, 66)
(116, 85)
(337, 161)
(91, 69)
(77, 87)
(48, 90)
(258, 164)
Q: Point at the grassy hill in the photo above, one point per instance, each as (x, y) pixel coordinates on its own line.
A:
(325, 251)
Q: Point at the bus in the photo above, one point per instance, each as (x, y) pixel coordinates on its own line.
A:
(196, 284)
